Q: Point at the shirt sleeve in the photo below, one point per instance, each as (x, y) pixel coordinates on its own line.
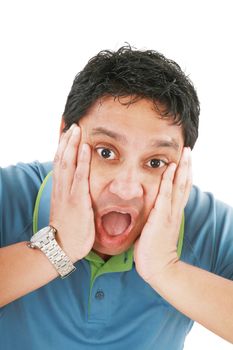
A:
(209, 233)
(19, 185)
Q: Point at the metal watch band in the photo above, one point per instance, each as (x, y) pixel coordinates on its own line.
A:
(45, 240)
(58, 258)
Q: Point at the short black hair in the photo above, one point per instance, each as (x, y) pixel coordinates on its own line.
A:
(138, 74)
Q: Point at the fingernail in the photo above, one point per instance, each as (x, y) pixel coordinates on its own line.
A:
(75, 130)
(186, 151)
(72, 126)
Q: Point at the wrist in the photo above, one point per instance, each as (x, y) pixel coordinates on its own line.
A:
(160, 281)
(67, 248)
(45, 240)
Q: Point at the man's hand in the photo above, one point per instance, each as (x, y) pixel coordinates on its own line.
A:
(71, 207)
(156, 249)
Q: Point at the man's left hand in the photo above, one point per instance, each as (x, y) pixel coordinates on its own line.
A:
(155, 251)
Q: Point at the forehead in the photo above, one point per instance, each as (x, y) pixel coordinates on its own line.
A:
(130, 122)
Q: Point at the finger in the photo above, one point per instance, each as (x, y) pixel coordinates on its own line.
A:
(164, 197)
(80, 186)
(189, 181)
(181, 183)
(64, 139)
(68, 162)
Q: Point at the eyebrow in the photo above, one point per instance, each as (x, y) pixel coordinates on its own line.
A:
(121, 138)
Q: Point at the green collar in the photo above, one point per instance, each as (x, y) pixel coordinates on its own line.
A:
(117, 263)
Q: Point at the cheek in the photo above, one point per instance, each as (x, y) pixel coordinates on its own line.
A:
(98, 180)
(151, 190)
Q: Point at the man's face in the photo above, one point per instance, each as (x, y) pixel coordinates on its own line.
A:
(131, 147)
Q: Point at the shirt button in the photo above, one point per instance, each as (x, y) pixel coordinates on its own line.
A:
(99, 295)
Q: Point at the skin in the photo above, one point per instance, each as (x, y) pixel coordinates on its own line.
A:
(126, 178)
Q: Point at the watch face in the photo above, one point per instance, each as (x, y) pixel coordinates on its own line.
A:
(42, 234)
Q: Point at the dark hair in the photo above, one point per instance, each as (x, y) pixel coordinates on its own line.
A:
(137, 74)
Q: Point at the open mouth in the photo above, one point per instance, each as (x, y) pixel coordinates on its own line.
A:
(116, 223)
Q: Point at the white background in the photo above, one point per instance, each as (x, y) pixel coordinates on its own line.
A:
(45, 43)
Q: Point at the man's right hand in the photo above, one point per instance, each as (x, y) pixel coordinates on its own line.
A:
(71, 208)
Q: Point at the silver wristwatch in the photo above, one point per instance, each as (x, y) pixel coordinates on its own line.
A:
(45, 240)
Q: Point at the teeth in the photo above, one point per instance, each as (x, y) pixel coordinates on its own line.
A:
(123, 212)
(119, 211)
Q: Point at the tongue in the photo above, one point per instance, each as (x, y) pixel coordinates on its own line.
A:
(115, 223)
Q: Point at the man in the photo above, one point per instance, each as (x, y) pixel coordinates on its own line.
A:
(141, 252)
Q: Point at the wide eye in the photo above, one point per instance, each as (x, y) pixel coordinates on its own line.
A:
(105, 153)
(156, 163)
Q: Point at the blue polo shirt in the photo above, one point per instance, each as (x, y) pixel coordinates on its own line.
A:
(102, 305)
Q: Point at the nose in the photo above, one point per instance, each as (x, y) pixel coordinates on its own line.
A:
(126, 185)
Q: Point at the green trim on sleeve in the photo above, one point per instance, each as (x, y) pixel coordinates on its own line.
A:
(181, 237)
(37, 204)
